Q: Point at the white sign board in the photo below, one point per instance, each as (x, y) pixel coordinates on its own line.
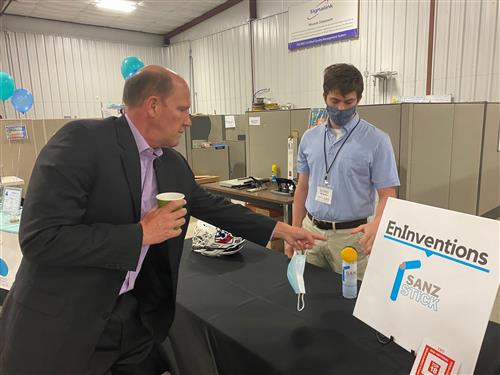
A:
(432, 273)
(229, 122)
(321, 21)
(11, 200)
(254, 120)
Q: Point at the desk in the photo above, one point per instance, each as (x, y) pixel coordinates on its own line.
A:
(237, 315)
(261, 198)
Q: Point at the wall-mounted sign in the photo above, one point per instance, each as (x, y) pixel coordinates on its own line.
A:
(321, 21)
(229, 122)
(11, 199)
(317, 116)
(254, 120)
(16, 132)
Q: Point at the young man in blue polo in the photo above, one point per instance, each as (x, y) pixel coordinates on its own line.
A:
(342, 165)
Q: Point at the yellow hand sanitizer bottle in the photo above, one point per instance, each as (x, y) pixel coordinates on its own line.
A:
(349, 272)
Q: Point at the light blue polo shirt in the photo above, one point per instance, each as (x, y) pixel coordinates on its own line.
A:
(364, 164)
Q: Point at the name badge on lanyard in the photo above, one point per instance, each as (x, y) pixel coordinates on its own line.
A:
(324, 194)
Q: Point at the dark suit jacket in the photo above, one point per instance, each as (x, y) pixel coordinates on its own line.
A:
(79, 236)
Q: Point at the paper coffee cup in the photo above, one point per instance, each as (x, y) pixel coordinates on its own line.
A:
(165, 198)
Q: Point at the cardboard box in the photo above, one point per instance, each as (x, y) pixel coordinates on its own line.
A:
(278, 245)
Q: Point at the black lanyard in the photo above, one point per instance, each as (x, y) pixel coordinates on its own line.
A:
(328, 168)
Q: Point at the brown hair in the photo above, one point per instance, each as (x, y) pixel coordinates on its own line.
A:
(145, 84)
(343, 77)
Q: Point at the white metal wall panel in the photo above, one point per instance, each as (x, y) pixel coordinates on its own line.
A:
(232, 17)
(68, 76)
(176, 58)
(393, 36)
(222, 72)
(466, 54)
(266, 8)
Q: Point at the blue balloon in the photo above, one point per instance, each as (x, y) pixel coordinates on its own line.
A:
(22, 100)
(7, 86)
(130, 66)
(4, 269)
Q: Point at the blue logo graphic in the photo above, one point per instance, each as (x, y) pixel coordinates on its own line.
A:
(322, 5)
(428, 253)
(408, 265)
(344, 270)
(4, 270)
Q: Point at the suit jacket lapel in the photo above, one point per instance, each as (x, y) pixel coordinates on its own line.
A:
(130, 163)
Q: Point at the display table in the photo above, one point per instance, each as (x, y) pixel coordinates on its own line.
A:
(10, 253)
(261, 198)
(237, 315)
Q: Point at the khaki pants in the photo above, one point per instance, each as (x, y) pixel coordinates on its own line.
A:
(326, 254)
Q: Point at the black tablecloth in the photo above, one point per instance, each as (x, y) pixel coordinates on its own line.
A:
(241, 311)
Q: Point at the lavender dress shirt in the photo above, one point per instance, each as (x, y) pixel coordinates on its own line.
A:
(149, 190)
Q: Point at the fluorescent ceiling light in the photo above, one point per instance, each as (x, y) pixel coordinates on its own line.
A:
(118, 5)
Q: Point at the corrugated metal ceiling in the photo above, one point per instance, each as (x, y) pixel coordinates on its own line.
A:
(151, 16)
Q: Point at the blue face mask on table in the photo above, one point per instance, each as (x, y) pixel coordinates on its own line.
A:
(340, 117)
(295, 274)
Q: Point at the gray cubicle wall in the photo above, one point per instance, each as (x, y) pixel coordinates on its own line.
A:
(217, 132)
(386, 117)
(203, 127)
(211, 161)
(489, 189)
(237, 159)
(441, 154)
(299, 120)
(267, 143)
(428, 137)
(240, 131)
(236, 140)
(207, 127)
(467, 137)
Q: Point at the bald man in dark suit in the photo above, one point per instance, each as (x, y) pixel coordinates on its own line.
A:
(95, 292)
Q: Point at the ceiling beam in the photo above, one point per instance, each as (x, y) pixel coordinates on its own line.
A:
(212, 12)
(253, 9)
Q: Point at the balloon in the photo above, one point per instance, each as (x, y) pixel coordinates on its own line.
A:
(7, 86)
(22, 100)
(130, 66)
(4, 269)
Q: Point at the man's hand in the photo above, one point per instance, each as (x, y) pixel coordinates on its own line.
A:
(288, 250)
(295, 237)
(369, 231)
(161, 224)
